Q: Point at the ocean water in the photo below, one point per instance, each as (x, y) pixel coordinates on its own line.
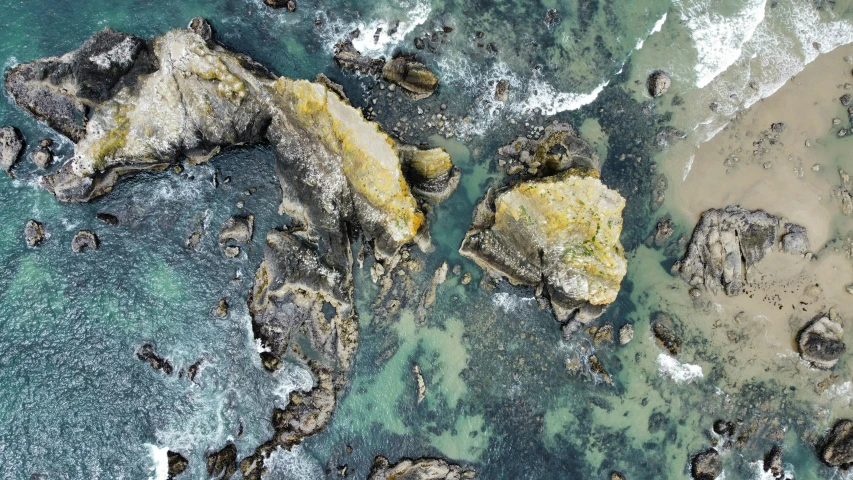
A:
(76, 403)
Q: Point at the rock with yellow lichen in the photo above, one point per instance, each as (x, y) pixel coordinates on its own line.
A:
(558, 233)
(338, 172)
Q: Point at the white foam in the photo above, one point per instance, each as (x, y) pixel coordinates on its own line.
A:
(655, 29)
(412, 13)
(511, 303)
(843, 392)
(687, 167)
(719, 39)
(292, 378)
(294, 464)
(544, 97)
(160, 462)
(760, 474)
(679, 372)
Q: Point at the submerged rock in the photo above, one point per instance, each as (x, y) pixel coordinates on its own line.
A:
(33, 233)
(836, 448)
(796, 241)
(820, 343)
(11, 145)
(420, 469)
(664, 336)
(146, 353)
(177, 463)
(725, 246)
(107, 218)
(416, 369)
(658, 83)
(238, 229)
(626, 334)
(559, 233)
(84, 240)
(663, 231)
(706, 465)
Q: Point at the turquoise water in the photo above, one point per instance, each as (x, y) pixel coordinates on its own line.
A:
(75, 402)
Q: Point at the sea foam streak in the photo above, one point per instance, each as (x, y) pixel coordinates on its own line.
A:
(160, 460)
(677, 371)
(412, 14)
(718, 39)
(655, 29)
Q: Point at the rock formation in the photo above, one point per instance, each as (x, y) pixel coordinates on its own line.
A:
(658, 83)
(133, 105)
(84, 240)
(820, 343)
(11, 145)
(558, 231)
(726, 244)
(706, 465)
(238, 229)
(836, 448)
(796, 240)
(223, 464)
(420, 469)
(177, 464)
(33, 233)
(408, 72)
(146, 353)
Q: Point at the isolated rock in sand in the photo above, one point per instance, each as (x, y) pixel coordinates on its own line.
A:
(820, 342)
(796, 241)
(726, 244)
(419, 469)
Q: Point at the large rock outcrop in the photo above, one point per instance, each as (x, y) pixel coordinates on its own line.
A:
(836, 448)
(133, 105)
(726, 244)
(419, 469)
(559, 233)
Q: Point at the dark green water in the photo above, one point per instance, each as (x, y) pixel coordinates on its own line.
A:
(75, 403)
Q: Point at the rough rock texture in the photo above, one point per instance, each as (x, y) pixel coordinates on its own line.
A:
(430, 172)
(177, 464)
(417, 80)
(665, 337)
(42, 157)
(238, 229)
(420, 469)
(773, 462)
(726, 244)
(658, 83)
(502, 91)
(626, 334)
(796, 241)
(559, 149)
(223, 464)
(414, 77)
(559, 233)
(663, 231)
(146, 353)
(61, 90)
(844, 193)
(706, 465)
(84, 240)
(290, 5)
(33, 233)
(820, 342)
(11, 145)
(133, 105)
(836, 448)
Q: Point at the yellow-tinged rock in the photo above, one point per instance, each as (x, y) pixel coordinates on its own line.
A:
(576, 221)
(370, 161)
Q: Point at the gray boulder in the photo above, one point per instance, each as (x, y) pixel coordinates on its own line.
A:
(238, 229)
(726, 244)
(706, 465)
(418, 469)
(796, 241)
(84, 240)
(11, 145)
(34, 233)
(658, 83)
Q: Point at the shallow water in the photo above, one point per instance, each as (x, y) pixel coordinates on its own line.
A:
(76, 402)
